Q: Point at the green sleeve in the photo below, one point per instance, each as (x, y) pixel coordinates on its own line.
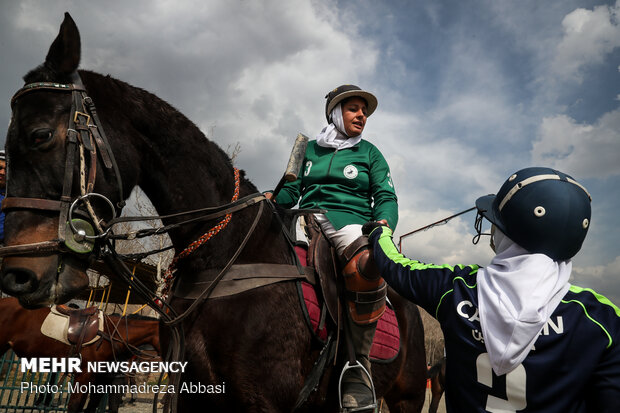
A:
(289, 194)
(291, 191)
(385, 202)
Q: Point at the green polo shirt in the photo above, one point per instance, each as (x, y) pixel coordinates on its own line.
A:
(354, 185)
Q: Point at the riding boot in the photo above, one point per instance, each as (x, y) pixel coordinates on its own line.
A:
(357, 386)
(365, 293)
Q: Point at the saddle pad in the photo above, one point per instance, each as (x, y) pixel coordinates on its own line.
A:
(56, 324)
(386, 344)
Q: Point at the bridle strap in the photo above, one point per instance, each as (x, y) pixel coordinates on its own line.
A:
(81, 134)
(213, 213)
(36, 248)
(15, 202)
(65, 199)
(50, 86)
(99, 137)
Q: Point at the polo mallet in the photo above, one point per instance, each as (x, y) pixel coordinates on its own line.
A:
(294, 163)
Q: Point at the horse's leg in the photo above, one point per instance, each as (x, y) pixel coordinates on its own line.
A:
(4, 348)
(41, 398)
(115, 399)
(437, 385)
(45, 398)
(95, 398)
(132, 399)
(77, 400)
(93, 402)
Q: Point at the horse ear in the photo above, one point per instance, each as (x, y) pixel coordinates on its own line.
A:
(64, 54)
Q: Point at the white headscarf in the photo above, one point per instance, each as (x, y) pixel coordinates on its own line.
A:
(517, 293)
(334, 135)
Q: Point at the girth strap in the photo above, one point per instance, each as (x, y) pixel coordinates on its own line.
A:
(239, 278)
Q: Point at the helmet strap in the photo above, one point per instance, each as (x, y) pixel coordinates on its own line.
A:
(478, 228)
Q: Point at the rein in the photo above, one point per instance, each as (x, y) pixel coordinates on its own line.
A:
(114, 331)
(168, 315)
(200, 241)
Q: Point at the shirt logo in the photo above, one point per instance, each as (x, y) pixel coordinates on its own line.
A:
(308, 167)
(350, 172)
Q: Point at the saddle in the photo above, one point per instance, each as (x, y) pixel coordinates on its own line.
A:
(325, 296)
(76, 327)
(322, 256)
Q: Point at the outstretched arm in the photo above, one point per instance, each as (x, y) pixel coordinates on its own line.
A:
(423, 284)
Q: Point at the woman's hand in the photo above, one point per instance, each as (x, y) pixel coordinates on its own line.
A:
(368, 227)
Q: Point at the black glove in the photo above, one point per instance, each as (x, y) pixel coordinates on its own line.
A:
(368, 227)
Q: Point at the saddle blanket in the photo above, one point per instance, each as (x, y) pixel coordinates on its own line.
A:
(56, 325)
(386, 344)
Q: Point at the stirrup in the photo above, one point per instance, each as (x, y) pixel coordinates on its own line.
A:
(371, 407)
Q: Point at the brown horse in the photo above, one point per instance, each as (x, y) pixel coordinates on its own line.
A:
(437, 377)
(255, 343)
(21, 331)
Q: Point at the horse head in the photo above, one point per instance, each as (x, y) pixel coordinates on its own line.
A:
(49, 236)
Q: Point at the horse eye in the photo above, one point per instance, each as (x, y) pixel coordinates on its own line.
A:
(41, 136)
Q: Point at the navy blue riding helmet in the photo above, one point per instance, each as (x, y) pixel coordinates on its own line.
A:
(541, 209)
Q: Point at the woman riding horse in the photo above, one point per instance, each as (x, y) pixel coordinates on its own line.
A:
(349, 177)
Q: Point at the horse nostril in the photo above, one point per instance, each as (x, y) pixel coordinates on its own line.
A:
(19, 281)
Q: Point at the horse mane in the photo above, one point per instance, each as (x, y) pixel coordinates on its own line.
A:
(150, 116)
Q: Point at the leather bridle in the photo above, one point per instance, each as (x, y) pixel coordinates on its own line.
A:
(84, 134)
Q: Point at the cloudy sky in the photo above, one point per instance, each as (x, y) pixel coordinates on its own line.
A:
(469, 92)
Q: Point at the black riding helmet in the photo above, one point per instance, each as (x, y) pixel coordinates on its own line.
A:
(346, 91)
(541, 209)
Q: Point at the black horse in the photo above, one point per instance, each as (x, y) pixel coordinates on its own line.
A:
(255, 343)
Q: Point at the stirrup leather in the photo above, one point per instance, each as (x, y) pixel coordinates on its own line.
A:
(371, 407)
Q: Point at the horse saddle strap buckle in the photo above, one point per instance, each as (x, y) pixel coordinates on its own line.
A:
(366, 409)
